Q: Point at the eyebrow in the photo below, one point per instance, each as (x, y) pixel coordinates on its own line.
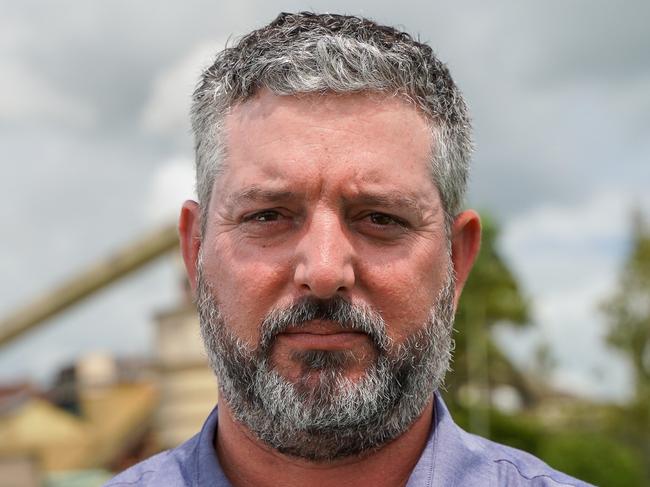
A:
(385, 199)
(257, 193)
(389, 199)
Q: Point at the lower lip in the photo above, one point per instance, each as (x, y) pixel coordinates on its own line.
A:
(333, 341)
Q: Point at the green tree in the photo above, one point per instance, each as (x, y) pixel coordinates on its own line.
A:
(578, 442)
(628, 310)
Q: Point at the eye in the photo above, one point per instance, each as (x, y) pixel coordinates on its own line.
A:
(382, 219)
(382, 226)
(263, 216)
(267, 223)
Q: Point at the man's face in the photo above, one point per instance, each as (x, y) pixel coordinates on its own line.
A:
(325, 258)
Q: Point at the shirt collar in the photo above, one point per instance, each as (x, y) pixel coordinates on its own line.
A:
(447, 457)
(451, 456)
(208, 471)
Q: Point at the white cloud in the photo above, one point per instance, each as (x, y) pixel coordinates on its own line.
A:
(27, 97)
(172, 184)
(568, 259)
(600, 219)
(167, 108)
(14, 32)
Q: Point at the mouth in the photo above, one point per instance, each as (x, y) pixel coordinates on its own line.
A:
(322, 335)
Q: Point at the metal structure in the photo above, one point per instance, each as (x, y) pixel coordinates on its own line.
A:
(128, 259)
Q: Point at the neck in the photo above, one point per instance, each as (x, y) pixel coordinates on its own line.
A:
(248, 462)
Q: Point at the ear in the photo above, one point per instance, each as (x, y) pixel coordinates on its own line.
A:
(465, 244)
(189, 230)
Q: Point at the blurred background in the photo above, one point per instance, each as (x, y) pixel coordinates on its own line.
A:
(100, 360)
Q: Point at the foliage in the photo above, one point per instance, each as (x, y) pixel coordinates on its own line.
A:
(593, 457)
(627, 312)
(598, 457)
(602, 445)
(628, 309)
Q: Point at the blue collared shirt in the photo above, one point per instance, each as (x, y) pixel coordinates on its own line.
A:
(452, 457)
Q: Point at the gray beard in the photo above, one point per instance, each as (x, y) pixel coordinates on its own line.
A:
(332, 417)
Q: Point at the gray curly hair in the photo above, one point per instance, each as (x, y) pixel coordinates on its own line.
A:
(311, 53)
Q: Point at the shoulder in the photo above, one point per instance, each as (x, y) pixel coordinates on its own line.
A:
(170, 468)
(141, 473)
(513, 467)
(463, 458)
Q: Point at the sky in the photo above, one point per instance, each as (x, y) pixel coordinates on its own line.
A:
(96, 150)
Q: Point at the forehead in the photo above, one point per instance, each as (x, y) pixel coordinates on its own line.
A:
(349, 142)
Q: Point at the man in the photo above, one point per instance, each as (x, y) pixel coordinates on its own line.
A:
(327, 255)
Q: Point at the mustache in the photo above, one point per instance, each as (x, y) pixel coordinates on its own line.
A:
(348, 316)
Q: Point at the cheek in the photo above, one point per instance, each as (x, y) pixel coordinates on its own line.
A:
(405, 291)
(246, 286)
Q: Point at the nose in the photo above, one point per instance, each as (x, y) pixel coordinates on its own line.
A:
(324, 258)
